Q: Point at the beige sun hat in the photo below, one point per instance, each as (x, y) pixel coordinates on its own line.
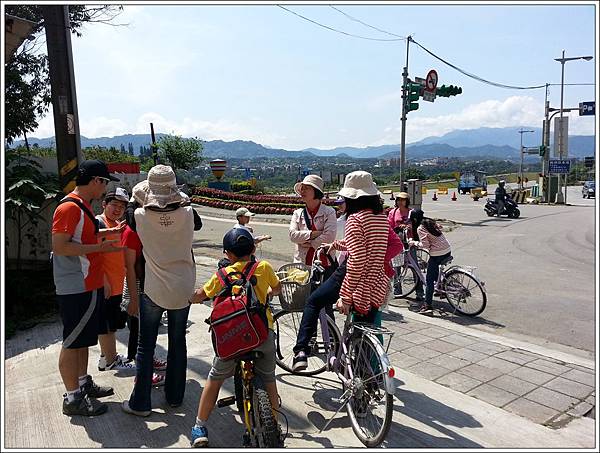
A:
(358, 184)
(402, 195)
(310, 180)
(160, 189)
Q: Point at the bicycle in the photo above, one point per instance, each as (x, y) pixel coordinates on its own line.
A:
(458, 284)
(356, 355)
(254, 405)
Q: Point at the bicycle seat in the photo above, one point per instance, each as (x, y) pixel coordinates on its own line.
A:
(447, 260)
(252, 355)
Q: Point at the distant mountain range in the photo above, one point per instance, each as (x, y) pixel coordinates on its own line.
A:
(499, 143)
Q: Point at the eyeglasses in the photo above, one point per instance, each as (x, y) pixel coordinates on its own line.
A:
(104, 180)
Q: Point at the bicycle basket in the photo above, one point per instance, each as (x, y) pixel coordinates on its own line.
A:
(295, 286)
(398, 260)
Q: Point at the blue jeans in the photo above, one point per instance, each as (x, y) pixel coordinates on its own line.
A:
(433, 271)
(324, 297)
(150, 315)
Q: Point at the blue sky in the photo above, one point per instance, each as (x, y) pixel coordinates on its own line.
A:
(260, 73)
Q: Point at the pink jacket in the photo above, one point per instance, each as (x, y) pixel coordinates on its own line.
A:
(394, 248)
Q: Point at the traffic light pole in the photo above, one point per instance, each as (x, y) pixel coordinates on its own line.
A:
(403, 133)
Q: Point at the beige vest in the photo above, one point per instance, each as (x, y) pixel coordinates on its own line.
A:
(170, 269)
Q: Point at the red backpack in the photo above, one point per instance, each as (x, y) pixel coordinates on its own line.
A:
(238, 322)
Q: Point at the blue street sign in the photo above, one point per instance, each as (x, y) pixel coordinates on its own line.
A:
(587, 108)
(559, 166)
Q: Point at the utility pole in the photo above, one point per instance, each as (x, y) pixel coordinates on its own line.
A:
(522, 131)
(403, 133)
(154, 150)
(64, 98)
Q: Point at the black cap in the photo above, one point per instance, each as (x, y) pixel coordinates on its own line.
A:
(94, 168)
(238, 241)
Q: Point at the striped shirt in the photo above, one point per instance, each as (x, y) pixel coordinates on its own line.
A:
(435, 245)
(365, 239)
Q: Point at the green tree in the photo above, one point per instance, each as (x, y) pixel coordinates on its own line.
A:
(122, 148)
(27, 83)
(180, 153)
(130, 148)
(107, 155)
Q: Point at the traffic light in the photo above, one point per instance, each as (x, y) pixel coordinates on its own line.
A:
(543, 150)
(412, 95)
(447, 91)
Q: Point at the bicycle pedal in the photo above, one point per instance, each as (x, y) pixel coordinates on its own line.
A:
(226, 401)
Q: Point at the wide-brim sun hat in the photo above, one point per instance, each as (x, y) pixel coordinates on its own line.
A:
(160, 189)
(310, 180)
(359, 184)
(402, 195)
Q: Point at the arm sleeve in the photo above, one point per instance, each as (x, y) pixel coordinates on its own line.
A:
(394, 246)
(66, 218)
(296, 235)
(424, 241)
(212, 287)
(329, 230)
(356, 261)
(270, 275)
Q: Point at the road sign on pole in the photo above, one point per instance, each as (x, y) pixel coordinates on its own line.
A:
(431, 80)
(561, 123)
(559, 166)
(587, 108)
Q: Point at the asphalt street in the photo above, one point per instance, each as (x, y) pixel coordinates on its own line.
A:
(539, 270)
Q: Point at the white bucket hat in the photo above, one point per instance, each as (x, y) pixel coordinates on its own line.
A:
(310, 180)
(358, 184)
(160, 189)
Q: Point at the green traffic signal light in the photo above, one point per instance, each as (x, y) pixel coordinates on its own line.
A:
(447, 91)
(412, 95)
(543, 150)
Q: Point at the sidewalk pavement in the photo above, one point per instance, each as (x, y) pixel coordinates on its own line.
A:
(457, 387)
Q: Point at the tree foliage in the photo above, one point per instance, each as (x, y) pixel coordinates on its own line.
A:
(180, 153)
(27, 83)
(108, 155)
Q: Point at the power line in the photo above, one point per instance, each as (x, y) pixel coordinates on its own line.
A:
(473, 76)
(365, 24)
(339, 31)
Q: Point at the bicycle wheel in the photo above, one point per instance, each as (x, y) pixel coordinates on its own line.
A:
(266, 433)
(422, 259)
(407, 280)
(370, 407)
(464, 292)
(286, 325)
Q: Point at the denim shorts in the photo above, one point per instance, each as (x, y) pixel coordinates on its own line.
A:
(264, 366)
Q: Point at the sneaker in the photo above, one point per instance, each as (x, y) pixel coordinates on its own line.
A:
(157, 379)
(126, 408)
(83, 405)
(159, 365)
(164, 319)
(119, 360)
(93, 390)
(300, 362)
(199, 437)
(425, 309)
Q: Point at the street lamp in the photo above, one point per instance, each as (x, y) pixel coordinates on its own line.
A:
(562, 91)
(522, 131)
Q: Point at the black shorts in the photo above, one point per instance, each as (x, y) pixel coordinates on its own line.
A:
(112, 317)
(81, 319)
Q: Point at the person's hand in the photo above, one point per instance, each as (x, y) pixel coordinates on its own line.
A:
(196, 297)
(342, 307)
(109, 246)
(267, 237)
(117, 229)
(133, 309)
(328, 247)
(315, 234)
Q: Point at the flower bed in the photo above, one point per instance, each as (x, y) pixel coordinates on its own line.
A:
(243, 198)
(234, 204)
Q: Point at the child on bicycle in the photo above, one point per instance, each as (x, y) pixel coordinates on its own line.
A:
(238, 245)
(433, 240)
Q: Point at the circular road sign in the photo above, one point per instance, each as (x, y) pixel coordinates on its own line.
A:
(431, 80)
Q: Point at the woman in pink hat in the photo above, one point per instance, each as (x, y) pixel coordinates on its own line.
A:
(314, 224)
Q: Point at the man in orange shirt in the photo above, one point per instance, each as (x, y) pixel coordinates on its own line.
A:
(113, 265)
(78, 277)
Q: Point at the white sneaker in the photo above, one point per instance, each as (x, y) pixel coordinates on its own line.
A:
(119, 364)
(102, 366)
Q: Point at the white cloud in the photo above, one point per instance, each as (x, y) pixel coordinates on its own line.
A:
(513, 111)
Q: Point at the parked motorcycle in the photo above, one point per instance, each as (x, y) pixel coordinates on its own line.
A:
(510, 208)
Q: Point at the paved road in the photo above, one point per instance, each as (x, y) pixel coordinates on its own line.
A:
(539, 269)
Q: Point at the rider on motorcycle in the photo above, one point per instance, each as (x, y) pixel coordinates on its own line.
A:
(501, 195)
